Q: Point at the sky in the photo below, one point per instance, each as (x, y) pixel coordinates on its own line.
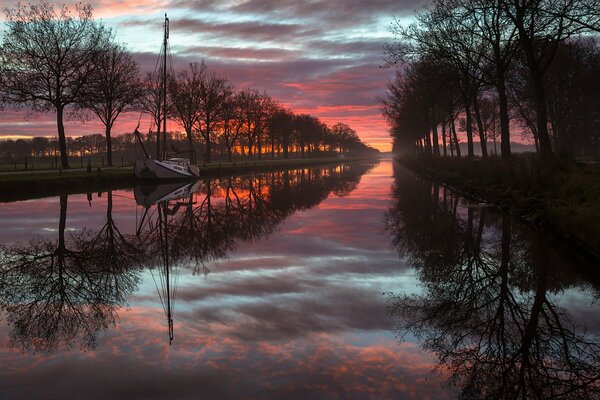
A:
(320, 57)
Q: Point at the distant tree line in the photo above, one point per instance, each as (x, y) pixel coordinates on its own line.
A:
(61, 60)
(339, 139)
(489, 68)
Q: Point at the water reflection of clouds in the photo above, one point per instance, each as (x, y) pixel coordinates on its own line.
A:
(215, 365)
(298, 313)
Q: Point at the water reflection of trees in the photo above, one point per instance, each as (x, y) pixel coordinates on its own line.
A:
(204, 224)
(58, 292)
(209, 223)
(66, 291)
(489, 304)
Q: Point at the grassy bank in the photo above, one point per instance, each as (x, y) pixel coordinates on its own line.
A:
(564, 199)
(27, 185)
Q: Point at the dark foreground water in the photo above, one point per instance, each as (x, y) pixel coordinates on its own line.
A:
(358, 281)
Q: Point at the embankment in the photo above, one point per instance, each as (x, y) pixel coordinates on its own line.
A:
(563, 198)
(27, 185)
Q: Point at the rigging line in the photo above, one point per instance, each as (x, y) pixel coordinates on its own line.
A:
(157, 289)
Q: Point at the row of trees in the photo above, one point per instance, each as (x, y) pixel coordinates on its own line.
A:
(246, 121)
(486, 64)
(286, 134)
(63, 60)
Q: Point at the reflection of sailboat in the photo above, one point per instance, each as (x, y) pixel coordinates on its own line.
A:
(147, 194)
(163, 167)
(156, 235)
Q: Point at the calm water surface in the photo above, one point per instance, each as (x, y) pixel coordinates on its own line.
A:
(358, 281)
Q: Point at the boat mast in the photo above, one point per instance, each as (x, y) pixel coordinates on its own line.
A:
(164, 88)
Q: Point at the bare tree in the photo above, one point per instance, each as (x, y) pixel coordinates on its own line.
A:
(114, 89)
(231, 123)
(213, 91)
(542, 26)
(151, 103)
(248, 100)
(281, 126)
(49, 56)
(186, 98)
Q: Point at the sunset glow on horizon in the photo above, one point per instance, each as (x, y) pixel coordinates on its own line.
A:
(319, 57)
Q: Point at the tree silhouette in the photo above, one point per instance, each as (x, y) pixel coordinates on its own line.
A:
(113, 89)
(48, 57)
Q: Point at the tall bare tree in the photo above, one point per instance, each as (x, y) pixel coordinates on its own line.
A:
(247, 101)
(542, 25)
(48, 56)
(114, 89)
(151, 103)
(231, 123)
(186, 98)
(213, 91)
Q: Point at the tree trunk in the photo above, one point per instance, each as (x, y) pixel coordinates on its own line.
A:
(480, 128)
(188, 132)
(158, 141)
(207, 138)
(108, 146)
(456, 144)
(542, 116)
(62, 140)
(428, 146)
(272, 149)
(537, 80)
(504, 118)
(469, 128)
(259, 147)
(436, 144)
(444, 139)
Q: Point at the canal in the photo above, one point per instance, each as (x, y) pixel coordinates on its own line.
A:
(356, 281)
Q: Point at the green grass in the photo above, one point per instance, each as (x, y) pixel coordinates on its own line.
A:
(45, 164)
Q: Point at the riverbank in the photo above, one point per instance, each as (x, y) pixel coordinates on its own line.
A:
(564, 199)
(27, 185)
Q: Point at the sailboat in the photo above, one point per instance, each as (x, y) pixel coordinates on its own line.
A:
(165, 167)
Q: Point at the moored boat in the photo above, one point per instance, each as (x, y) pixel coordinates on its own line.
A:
(172, 168)
(163, 167)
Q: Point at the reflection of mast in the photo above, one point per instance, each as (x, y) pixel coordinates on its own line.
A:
(165, 295)
(163, 196)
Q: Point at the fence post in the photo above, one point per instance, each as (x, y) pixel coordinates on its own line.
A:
(102, 162)
(25, 163)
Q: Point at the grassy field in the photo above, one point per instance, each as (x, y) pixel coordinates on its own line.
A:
(48, 163)
(564, 198)
(31, 184)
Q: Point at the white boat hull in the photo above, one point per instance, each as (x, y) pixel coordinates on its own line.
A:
(148, 168)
